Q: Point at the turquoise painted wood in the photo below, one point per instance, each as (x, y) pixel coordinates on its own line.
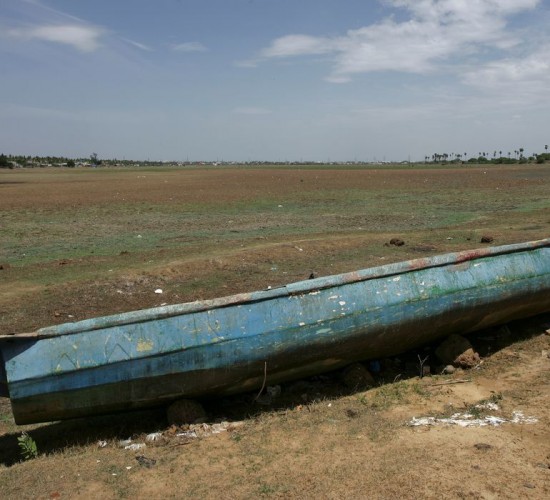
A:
(224, 346)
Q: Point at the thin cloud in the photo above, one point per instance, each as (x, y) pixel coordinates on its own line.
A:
(435, 31)
(523, 80)
(298, 45)
(190, 47)
(80, 37)
(138, 45)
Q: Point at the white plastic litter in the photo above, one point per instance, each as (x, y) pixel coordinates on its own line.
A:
(154, 436)
(468, 420)
(135, 446)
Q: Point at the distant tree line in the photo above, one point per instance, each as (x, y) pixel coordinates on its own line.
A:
(16, 161)
(13, 161)
(517, 156)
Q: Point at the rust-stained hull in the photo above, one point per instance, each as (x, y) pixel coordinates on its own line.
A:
(224, 346)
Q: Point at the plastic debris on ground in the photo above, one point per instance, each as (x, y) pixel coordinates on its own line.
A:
(154, 436)
(469, 420)
(194, 431)
(135, 446)
(188, 432)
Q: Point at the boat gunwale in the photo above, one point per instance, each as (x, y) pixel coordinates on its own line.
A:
(296, 288)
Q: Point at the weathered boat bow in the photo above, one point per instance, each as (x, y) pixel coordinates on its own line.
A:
(222, 346)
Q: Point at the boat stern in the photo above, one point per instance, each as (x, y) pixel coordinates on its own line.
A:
(4, 392)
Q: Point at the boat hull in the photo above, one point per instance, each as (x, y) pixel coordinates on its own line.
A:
(235, 344)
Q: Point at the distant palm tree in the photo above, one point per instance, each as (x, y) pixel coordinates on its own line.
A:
(521, 152)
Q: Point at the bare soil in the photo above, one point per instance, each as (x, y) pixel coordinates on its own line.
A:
(78, 244)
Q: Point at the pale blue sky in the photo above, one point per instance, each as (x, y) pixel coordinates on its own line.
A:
(273, 79)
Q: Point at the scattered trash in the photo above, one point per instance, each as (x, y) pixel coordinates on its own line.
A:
(188, 434)
(488, 405)
(135, 446)
(460, 419)
(468, 420)
(519, 418)
(101, 444)
(127, 444)
(158, 290)
(154, 436)
(203, 430)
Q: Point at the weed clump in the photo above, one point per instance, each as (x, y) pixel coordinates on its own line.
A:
(28, 446)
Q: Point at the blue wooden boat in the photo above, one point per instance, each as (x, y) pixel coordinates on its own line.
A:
(235, 344)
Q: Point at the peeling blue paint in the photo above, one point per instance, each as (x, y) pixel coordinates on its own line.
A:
(144, 358)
